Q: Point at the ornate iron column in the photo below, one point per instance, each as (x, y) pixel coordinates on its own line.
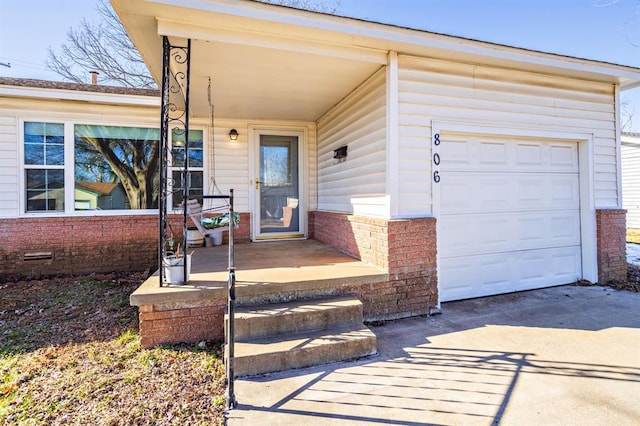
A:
(174, 119)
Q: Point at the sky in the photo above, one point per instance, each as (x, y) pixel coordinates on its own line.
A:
(603, 30)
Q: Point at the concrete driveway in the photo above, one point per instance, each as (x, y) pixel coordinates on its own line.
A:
(564, 355)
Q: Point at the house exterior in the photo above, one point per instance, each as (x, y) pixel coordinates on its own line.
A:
(462, 168)
(471, 168)
(631, 180)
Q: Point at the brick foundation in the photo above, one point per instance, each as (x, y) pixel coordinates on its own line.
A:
(182, 322)
(611, 240)
(405, 248)
(83, 244)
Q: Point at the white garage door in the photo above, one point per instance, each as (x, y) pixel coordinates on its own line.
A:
(509, 215)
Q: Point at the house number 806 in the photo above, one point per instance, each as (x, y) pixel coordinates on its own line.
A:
(436, 158)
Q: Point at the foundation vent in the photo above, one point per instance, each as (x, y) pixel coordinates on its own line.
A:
(38, 255)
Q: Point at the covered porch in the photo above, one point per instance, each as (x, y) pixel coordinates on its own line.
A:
(280, 94)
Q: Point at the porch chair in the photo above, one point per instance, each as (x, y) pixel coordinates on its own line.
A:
(195, 212)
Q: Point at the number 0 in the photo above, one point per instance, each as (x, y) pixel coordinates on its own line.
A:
(436, 159)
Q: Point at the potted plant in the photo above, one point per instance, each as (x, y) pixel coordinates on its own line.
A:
(173, 266)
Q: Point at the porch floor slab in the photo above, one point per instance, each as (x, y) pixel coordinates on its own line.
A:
(262, 268)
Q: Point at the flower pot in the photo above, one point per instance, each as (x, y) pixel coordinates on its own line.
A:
(174, 269)
(194, 238)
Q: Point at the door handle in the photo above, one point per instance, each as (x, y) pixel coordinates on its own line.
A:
(258, 184)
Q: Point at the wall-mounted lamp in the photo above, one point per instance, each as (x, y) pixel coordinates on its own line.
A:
(233, 135)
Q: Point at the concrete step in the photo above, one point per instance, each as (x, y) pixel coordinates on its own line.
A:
(303, 349)
(254, 322)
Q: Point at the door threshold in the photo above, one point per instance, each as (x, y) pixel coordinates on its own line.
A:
(280, 237)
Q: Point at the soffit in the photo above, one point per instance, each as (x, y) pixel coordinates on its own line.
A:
(269, 62)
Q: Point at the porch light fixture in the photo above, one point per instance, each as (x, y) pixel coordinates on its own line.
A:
(233, 135)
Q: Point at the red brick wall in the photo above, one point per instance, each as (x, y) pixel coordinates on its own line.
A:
(362, 237)
(611, 237)
(81, 245)
(182, 322)
(405, 248)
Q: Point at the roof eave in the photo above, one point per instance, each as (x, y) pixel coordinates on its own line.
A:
(367, 34)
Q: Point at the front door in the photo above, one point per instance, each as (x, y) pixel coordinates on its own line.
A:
(278, 187)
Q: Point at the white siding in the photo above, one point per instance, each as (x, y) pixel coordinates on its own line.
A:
(631, 182)
(231, 162)
(356, 185)
(8, 166)
(231, 158)
(439, 90)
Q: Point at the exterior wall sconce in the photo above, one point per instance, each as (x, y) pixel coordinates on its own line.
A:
(233, 135)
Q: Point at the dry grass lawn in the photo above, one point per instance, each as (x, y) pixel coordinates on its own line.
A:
(70, 355)
(633, 235)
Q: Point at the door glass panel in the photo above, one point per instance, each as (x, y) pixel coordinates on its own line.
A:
(279, 192)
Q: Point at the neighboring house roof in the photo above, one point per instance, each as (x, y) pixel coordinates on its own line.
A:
(630, 139)
(100, 188)
(97, 88)
(97, 93)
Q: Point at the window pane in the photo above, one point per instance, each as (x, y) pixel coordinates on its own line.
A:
(116, 168)
(195, 148)
(196, 188)
(44, 143)
(33, 154)
(45, 190)
(55, 154)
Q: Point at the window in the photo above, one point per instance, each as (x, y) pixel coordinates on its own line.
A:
(106, 167)
(44, 166)
(195, 163)
(116, 168)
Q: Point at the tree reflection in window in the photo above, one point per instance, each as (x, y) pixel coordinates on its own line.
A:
(116, 167)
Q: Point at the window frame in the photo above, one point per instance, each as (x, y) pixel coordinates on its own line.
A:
(25, 167)
(69, 165)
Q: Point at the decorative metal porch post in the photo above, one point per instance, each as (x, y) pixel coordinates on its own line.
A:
(174, 118)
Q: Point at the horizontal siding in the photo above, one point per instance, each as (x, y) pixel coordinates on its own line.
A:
(9, 165)
(358, 184)
(439, 90)
(231, 158)
(231, 162)
(631, 183)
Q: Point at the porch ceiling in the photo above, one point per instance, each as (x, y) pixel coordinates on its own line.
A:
(264, 83)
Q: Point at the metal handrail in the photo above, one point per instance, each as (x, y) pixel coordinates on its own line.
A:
(231, 304)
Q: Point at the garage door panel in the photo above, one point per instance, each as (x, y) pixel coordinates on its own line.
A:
(485, 154)
(564, 157)
(485, 275)
(504, 192)
(509, 217)
(498, 233)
